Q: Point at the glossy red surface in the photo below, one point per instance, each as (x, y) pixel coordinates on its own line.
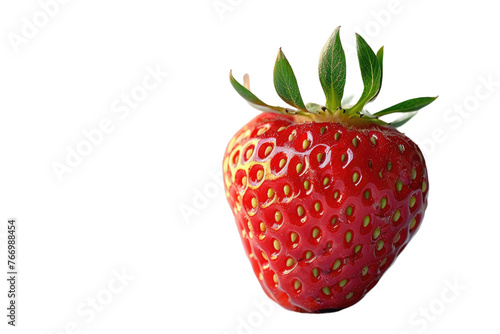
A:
(344, 177)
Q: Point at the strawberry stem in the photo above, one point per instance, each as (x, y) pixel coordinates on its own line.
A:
(332, 75)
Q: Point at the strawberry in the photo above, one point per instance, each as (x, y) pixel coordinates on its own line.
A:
(325, 196)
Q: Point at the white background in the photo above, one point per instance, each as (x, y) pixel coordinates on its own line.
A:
(118, 211)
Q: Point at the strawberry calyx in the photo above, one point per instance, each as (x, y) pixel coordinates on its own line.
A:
(332, 75)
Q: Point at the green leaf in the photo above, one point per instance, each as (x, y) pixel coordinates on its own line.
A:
(315, 108)
(380, 58)
(244, 92)
(285, 82)
(254, 100)
(397, 123)
(371, 73)
(332, 70)
(407, 106)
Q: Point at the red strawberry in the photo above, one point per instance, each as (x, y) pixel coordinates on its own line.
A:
(325, 197)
